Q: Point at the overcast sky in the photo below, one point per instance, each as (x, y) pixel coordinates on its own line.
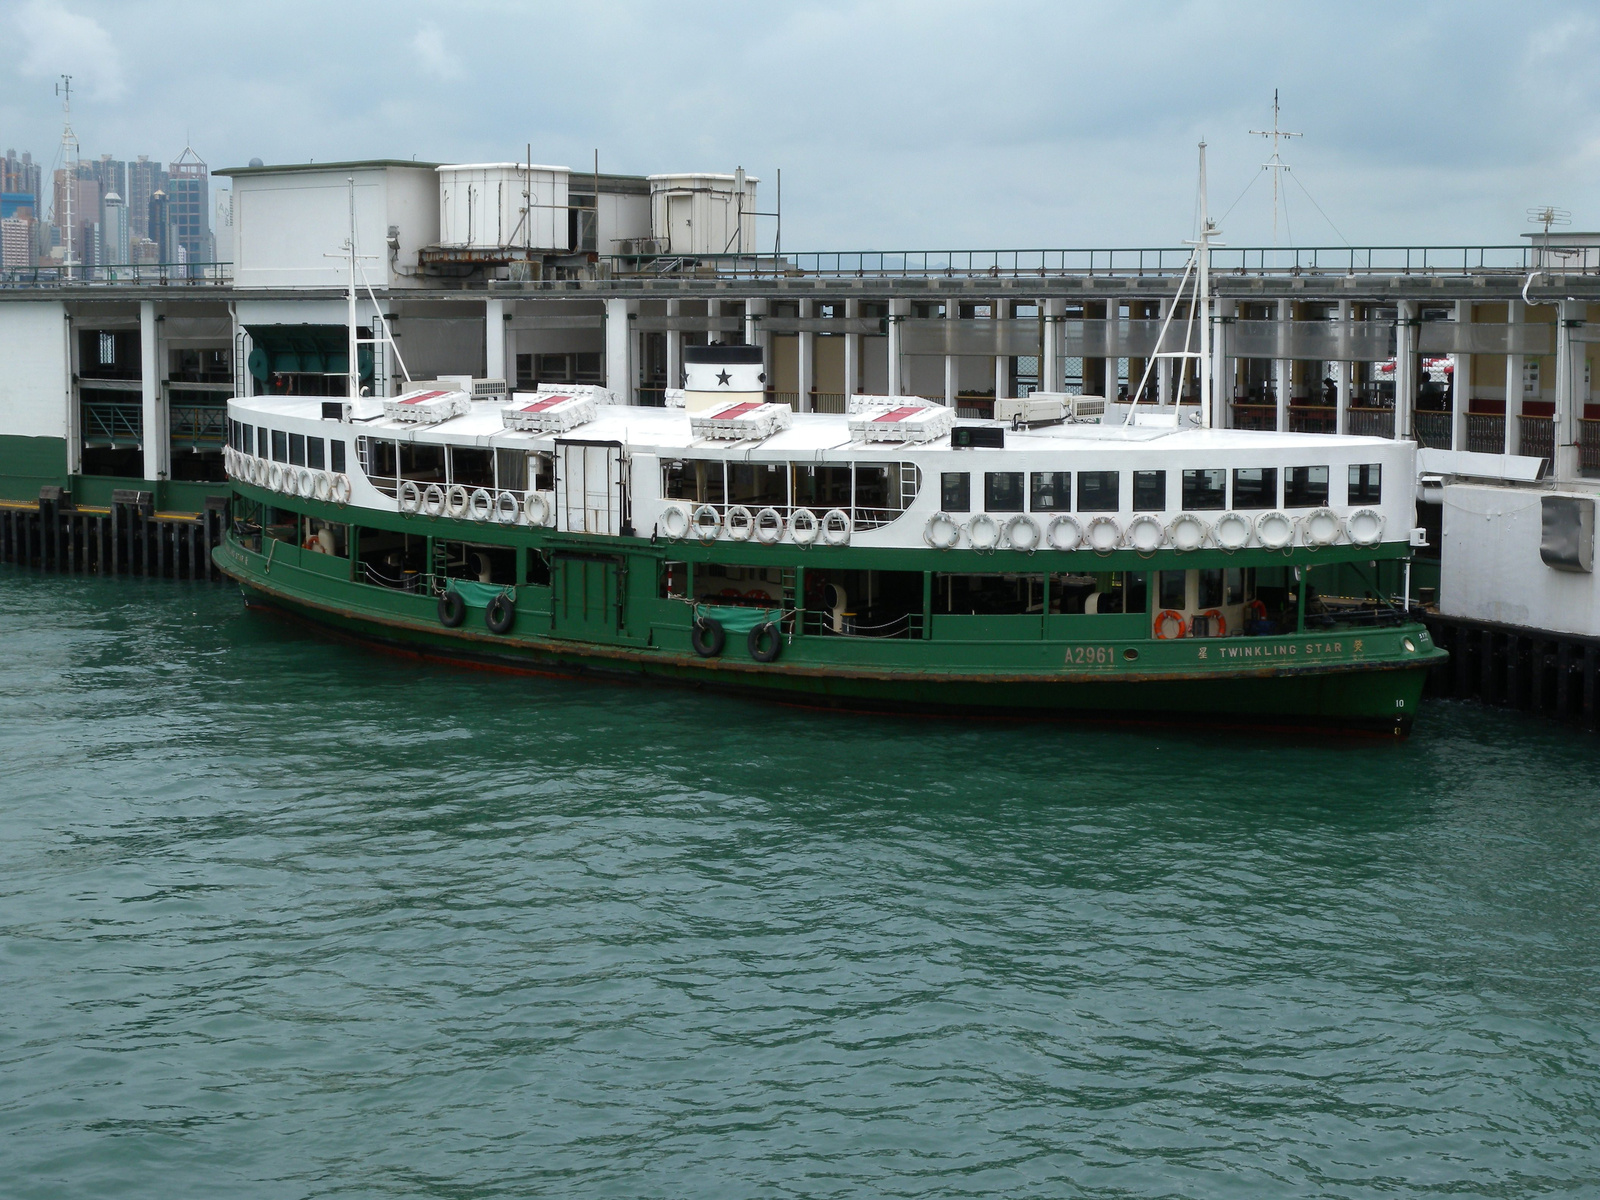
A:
(915, 124)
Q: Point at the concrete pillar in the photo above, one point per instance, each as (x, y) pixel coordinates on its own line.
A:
(754, 310)
(494, 339)
(1514, 315)
(1223, 368)
(852, 352)
(897, 312)
(1051, 376)
(1405, 369)
(674, 349)
(1570, 356)
(157, 436)
(1461, 381)
(1347, 374)
(805, 362)
(713, 309)
(998, 310)
(1163, 372)
(619, 351)
(952, 364)
(1283, 368)
(1113, 348)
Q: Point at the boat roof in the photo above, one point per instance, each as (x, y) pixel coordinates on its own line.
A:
(668, 429)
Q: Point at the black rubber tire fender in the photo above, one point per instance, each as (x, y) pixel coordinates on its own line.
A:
(765, 642)
(501, 614)
(707, 637)
(452, 609)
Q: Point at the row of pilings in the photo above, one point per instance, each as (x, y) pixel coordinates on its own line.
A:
(1549, 674)
(127, 537)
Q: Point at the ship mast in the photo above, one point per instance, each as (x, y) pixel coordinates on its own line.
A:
(1203, 296)
(69, 166)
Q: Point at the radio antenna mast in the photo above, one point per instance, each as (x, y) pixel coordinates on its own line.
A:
(69, 166)
(1275, 164)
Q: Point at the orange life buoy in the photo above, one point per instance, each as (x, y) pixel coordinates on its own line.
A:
(1256, 610)
(1161, 624)
(1219, 627)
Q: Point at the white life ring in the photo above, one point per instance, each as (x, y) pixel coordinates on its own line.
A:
(258, 472)
(769, 527)
(433, 500)
(804, 527)
(739, 523)
(1103, 535)
(706, 522)
(480, 505)
(1022, 533)
(248, 465)
(275, 477)
(1145, 534)
(942, 531)
(673, 522)
(983, 532)
(456, 500)
(1187, 532)
(304, 484)
(1365, 527)
(507, 508)
(536, 509)
(322, 487)
(409, 496)
(1321, 527)
(1064, 533)
(1275, 529)
(1233, 531)
(227, 461)
(837, 527)
(339, 489)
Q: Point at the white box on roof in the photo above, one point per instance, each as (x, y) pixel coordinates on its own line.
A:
(493, 205)
(863, 404)
(741, 421)
(430, 406)
(907, 423)
(547, 412)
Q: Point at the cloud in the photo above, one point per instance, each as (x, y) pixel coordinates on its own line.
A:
(55, 41)
(428, 45)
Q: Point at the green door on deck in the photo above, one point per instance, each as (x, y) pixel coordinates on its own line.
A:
(585, 595)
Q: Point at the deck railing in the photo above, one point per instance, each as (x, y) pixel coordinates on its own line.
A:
(1536, 437)
(193, 274)
(1432, 429)
(107, 423)
(1486, 433)
(1589, 444)
(1371, 422)
(1255, 416)
(1311, 419)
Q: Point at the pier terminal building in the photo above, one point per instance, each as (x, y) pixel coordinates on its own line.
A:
(113, 391)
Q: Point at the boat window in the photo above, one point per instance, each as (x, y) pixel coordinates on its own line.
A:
(819, 487)
(315, 453)
(1097, 491)
(1002, 491)
(391, 560)
(336, 456)
(378, 460)
(1098, 594)
(1149, 491)
(1365, 484)
(262, 446)
(677, 481)
(280, 446)
(512, 470)
(875, 604)
(1211, 592)
(538, 569)
(1233, 583)
(422, 462)
(542, 467)
(723, 583)
(986, 595)
(1172, 589)
(324, 537)
(472, 466)
(297, 449)
(758, 485)
(482, 564)
(877, 488)
(1255, 487)
(1205, 489)
(1305, 487)
(1052, 491)
(674, 581)
(955, 491)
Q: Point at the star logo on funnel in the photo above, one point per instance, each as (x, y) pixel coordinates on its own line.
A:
(723, 377)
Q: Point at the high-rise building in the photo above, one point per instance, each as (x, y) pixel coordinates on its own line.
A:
(189, 207)
(160, 227)
(114, 231)
(145, 179)
(111, 175)
(22, 176)
(16, 241)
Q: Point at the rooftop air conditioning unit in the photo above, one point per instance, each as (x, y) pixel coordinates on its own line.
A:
(478, 389)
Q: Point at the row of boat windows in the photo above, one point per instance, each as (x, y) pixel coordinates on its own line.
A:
(872, 486)
(1202, 490)
(386, 462)
(294, 449)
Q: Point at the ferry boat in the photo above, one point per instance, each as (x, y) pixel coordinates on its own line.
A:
(891, 558)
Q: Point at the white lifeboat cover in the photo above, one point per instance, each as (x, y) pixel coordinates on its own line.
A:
(742, 421)
(584, 391)
(907, 423)
(429, 407)
(547, 412)
(858, 404)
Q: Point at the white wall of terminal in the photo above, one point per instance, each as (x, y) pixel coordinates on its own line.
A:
(489, 205)
(703, 214)
(1490, 564)
(286, 219)
(35, 385)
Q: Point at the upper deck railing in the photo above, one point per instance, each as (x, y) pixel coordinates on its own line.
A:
(1149, 262)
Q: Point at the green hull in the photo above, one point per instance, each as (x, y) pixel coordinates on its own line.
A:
(1365, 680)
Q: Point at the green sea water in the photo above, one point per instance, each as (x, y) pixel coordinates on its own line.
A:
(285, 917)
